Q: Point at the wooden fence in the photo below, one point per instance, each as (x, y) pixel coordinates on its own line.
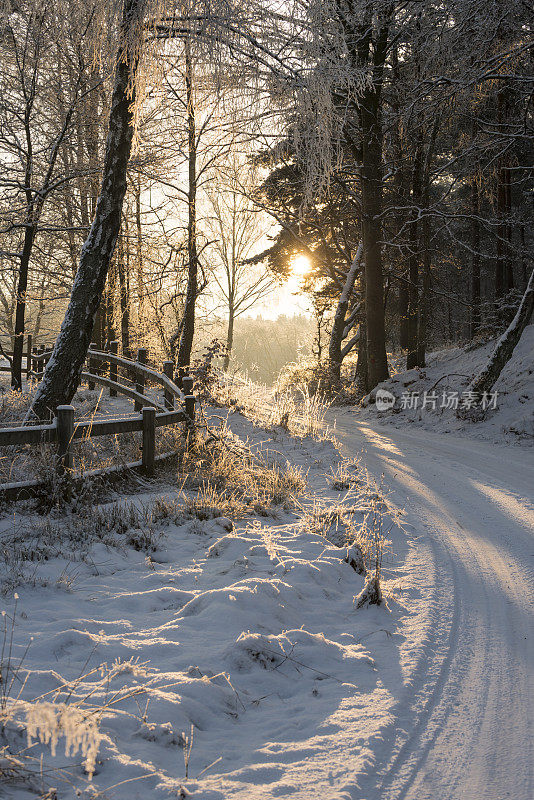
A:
(27, 357)
(178, 408)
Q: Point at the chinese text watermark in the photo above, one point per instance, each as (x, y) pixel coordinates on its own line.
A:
(433, 401)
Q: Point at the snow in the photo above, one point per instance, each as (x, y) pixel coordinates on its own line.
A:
(349, 281)
(463, 731)
(248, 632)
(512, 422)
(229, 658)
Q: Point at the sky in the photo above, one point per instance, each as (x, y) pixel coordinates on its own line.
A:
(287, 298)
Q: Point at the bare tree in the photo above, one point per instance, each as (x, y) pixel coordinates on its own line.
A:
(345, 319)
(41, 88)
(236, 229)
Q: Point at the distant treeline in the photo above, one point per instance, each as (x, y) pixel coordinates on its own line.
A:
(262, 346)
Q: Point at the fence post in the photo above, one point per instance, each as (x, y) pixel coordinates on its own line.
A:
(35, 366)
(65, 430)
(91, 364)
(149, 440)
(41, 362)
(181, 373)
(139, 376)
(169, 397)
(189, 400)
(113, 371)
(28, 356)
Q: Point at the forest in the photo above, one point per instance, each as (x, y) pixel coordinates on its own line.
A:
(386, 148)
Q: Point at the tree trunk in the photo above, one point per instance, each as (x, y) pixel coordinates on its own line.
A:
(499, 265)
(362, 377)
(509, 263)
(523, 256)
(62, 374)
(401, 189)
(371, 181)
(413, 264)
(20, 312)
(501, 203)
(426, 230)
(424, 302)
(139, 262)
(475, 259)
(188, 324)
(371, 191)
(404, 337)
(109, 295)
(98, 327)
(338, 334)
(368, 51)
(124, 300)
(487, 379)
(229, 336)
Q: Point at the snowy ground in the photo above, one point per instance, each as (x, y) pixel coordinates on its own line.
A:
(449, 371)
(462, 728)
(249, 634)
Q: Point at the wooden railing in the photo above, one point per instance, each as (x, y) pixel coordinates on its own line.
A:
(178, 407)
(36, 358)
(27, 357)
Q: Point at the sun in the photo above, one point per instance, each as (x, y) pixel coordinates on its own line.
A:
(300, 265)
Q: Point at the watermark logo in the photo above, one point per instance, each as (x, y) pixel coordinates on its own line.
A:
(432, 401)
(384, 400)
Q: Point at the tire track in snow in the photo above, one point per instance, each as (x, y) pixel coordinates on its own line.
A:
(434, 663)
(472, 738)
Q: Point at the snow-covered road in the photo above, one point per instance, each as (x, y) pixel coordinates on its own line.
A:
(464, 722)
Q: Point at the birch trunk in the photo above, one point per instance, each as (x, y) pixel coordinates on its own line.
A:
(62, 374)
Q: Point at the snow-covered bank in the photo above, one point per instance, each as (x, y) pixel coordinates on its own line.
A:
(446, 379)
(248, 635)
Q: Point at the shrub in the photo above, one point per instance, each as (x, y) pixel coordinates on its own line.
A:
(204, 372)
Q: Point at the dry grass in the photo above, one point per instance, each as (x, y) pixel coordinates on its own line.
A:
(346, 475)
(69, 715)
(341, 524)
(219, 476)
(13, 405)
(361, 522)
(318, 379)
(296, 410)
(220, 463)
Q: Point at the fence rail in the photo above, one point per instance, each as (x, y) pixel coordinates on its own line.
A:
(36, 358)
(27, 356)
(63, 431)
